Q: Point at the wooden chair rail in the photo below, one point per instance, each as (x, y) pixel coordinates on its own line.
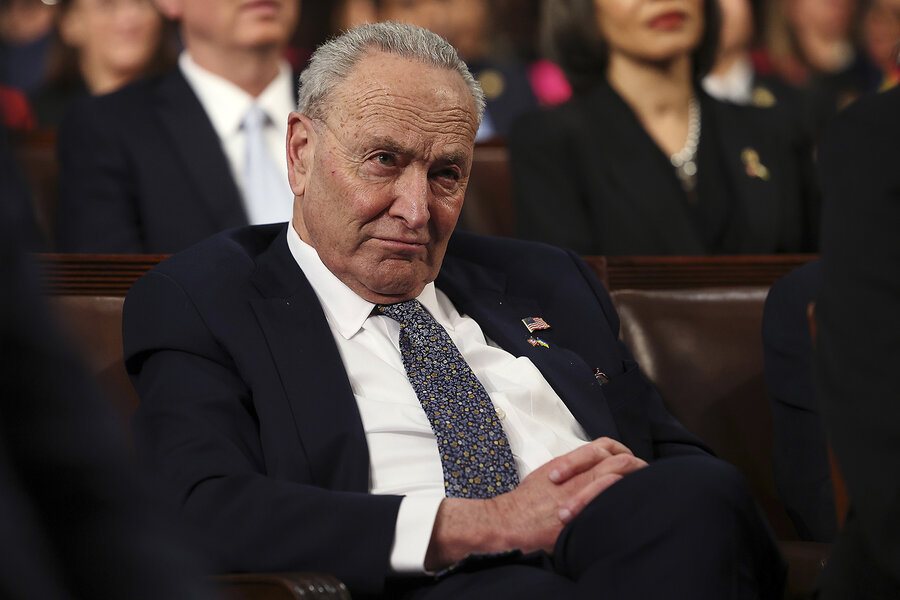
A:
(280, 586)
(113, 274)
(93, 274)
(667, 272)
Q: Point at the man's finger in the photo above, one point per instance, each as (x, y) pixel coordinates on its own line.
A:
(577, 461)
(585, 457)
(576, 504)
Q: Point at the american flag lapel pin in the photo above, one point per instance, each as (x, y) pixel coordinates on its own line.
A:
(535, 323)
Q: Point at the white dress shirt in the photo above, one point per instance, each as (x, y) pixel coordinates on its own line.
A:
(226, 104)
(402, 447)
(735, 85)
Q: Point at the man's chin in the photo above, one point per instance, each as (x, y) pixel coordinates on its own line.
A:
(394, 289)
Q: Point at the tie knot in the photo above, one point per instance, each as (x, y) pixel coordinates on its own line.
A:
(255, 118)
(402, 312)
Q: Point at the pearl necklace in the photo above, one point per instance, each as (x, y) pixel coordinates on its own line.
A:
(684, 160)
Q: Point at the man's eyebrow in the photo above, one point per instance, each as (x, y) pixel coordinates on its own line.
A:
(456, 157)
(389, 144)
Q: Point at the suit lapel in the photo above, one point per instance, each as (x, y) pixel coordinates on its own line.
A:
(199, 150)
(480, 293)
(311, 370)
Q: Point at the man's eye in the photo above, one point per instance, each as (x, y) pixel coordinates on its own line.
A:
(385, 159)
(447, 174)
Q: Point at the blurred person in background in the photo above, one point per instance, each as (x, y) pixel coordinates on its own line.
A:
(881, 38)
(642, 161)
(734, 76)
(99, 46)
(168, 161)
(75, 521)
(470, 27)
(26, 28)
(811, 45)
(858, 346)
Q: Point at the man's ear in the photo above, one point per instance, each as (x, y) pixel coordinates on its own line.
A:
(300, 149)
(171, 9)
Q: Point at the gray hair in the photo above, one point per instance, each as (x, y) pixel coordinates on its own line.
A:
(332, 61)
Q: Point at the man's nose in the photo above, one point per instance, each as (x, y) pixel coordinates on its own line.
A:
(411, 198)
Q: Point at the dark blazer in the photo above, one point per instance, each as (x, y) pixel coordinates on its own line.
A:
(142, 171)
(587, 176)
(802, 471)
(248, 416)
(858, 350)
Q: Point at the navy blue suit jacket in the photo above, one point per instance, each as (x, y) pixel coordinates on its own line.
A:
(143, 171)
(248, 417)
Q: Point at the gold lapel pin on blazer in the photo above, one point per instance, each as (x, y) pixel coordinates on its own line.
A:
(750, 158)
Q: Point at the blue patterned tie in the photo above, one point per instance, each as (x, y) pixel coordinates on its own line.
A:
(475, 453)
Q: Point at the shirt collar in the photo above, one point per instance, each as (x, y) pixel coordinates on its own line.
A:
(733, 85)
(226, 104)
(345, 310)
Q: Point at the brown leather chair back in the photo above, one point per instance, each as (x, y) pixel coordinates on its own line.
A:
(488, 207)
(93, 327)
(702, 349)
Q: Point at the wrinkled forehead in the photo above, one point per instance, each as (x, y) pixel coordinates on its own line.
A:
(406, 98)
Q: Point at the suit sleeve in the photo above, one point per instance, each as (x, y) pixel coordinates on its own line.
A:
(196, 430)
(550, 204)
(98, 204)
(858, 316)
(801, 469)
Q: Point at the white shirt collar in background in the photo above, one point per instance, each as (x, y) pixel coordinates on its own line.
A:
(736, 85)
(226, 104)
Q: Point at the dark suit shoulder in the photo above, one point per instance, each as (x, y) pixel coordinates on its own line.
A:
(563, 122)
(129, 102)
(878, 114)
(225, 259)
(501, 253)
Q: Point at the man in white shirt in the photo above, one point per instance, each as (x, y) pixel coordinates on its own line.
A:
(295, 378)
(136, 165)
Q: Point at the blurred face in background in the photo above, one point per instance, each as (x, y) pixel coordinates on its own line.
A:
(650, 30)
(827, 18)
(229, 25)
(737, 25)
(881, 32)
(119, 37)
(463, 23)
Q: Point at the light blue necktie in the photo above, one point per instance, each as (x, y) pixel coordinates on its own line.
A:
(475, 452)
(267, 195)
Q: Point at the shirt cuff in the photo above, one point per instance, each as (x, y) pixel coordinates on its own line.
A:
(412, 534)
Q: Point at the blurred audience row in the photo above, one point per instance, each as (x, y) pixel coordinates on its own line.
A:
(678, 127)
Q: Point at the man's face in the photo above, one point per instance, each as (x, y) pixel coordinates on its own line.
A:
(380, 180)
(234, 24)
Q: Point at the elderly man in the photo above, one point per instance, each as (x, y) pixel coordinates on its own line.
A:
(356, 392)
(169, 161)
